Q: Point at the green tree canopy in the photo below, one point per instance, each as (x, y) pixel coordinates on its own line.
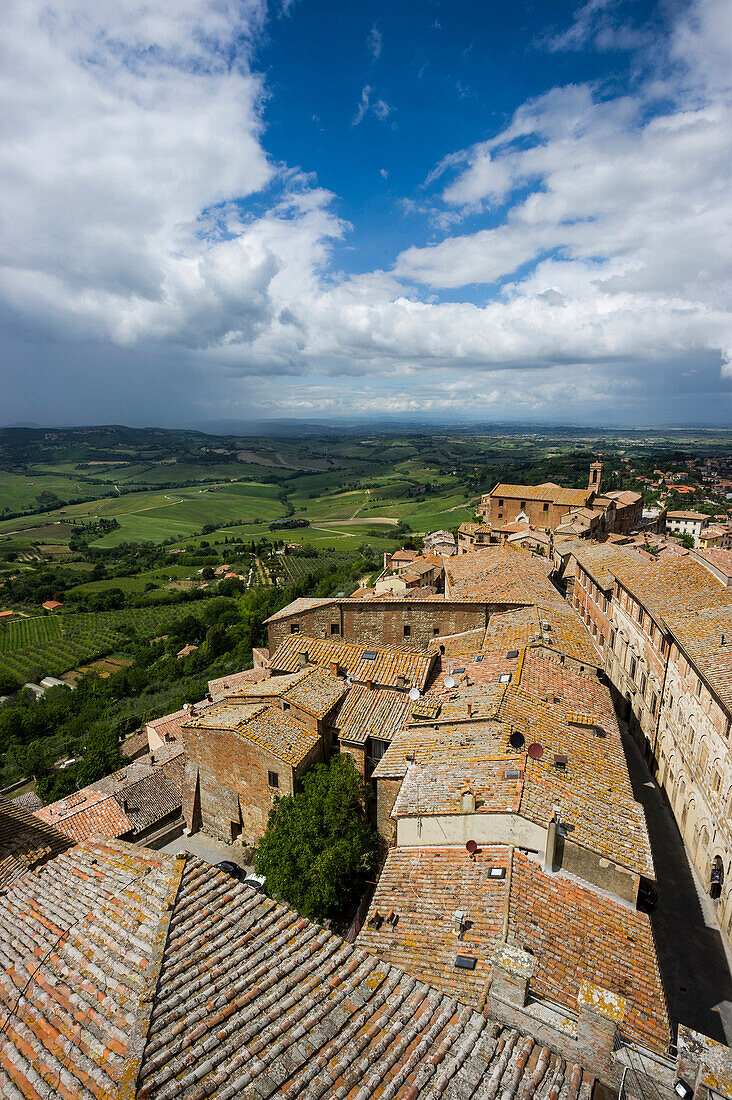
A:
(319, 847)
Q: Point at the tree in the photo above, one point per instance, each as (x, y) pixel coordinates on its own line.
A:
(319, 847)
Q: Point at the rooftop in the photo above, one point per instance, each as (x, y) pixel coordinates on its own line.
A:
(235, 680)
(266, 726)
(384, 665)
(86, 813)
(25, 841)
(573, 498)
(575, 933)
(194, 985)
(372, 712)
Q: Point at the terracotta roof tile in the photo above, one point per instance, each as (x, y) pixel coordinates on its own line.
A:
(389, 665)
(87, 813)
(267, 726)
(574, 933)
(372, 712)
(25, 841)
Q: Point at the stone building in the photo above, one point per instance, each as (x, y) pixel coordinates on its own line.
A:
(549, 507)
(254, 745)
(686, 523)
(665, 628)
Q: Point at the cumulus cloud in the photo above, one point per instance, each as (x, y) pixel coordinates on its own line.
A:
(599, 248)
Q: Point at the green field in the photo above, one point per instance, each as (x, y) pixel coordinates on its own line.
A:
(47, 645)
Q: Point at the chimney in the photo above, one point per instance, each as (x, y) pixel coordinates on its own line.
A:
(551, 843)
(335, 668)
(303, 658)
(370, 685)
(470, 710)
(467, 800)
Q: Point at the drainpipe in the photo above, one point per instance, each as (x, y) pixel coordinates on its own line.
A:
(551, 843)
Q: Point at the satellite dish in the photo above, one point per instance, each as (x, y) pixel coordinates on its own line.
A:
(186, 706)
(450, 682)
(471, 847)
(536, 751)
(414, 694)
(516, 740)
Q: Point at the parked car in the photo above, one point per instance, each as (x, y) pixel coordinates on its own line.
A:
(647, 896)
(257, 882)
(232, 869)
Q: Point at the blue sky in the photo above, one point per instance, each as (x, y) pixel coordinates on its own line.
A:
(476, 210)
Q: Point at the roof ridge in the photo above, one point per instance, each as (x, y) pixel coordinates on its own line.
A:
(146, 1001)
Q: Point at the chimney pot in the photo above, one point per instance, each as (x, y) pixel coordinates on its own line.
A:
(470, 709)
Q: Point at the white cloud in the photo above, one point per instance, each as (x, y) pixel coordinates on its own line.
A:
(379, 107)
(373, 43)
(125, 175)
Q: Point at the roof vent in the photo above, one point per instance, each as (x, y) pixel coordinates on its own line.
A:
(512, 653)
(465, 962)
(516, 740)
(560, 760)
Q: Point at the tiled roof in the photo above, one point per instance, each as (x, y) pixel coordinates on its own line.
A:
(500, 574)
(372, 712)
(721, 558)
(573, 932)
(686, 515)
(547, 491)
(252, 998)
(156, 796)
(473, 727)
(317, 691)
(87, 813)
(28, 801)
(389, 665)
(624, 497)
(82, 936)
(267, 726)
(305, 603)
(25, 841)
(314, 688)
(682, 594)
(437, 788)
(168, 728)
(236, 680)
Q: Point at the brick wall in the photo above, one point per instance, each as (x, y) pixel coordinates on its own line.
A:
(234, 793)
(382, 622)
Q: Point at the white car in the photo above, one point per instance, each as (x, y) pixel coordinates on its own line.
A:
(257, 882)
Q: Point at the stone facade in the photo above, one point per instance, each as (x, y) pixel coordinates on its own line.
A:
(228, 788)
(379, 622)
(676, 714)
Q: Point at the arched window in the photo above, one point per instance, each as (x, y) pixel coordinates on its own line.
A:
(703, 757)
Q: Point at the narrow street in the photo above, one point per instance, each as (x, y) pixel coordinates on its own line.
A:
(694, 966)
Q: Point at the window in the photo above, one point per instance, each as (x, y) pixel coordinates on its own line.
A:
(335, 628)
(717, 781)
(644, 681)
(273, 779)
(698, 688)
(407, 630)
(691, 735)
(652, 629)
(640, 614)
(378, 748)
(285, 706)
(546, 507)
(654, 702)
(294, 628)
(500, 503)
(703, 758)
(435, 631)
(613, 636)
(523, 505)
(633, 667)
